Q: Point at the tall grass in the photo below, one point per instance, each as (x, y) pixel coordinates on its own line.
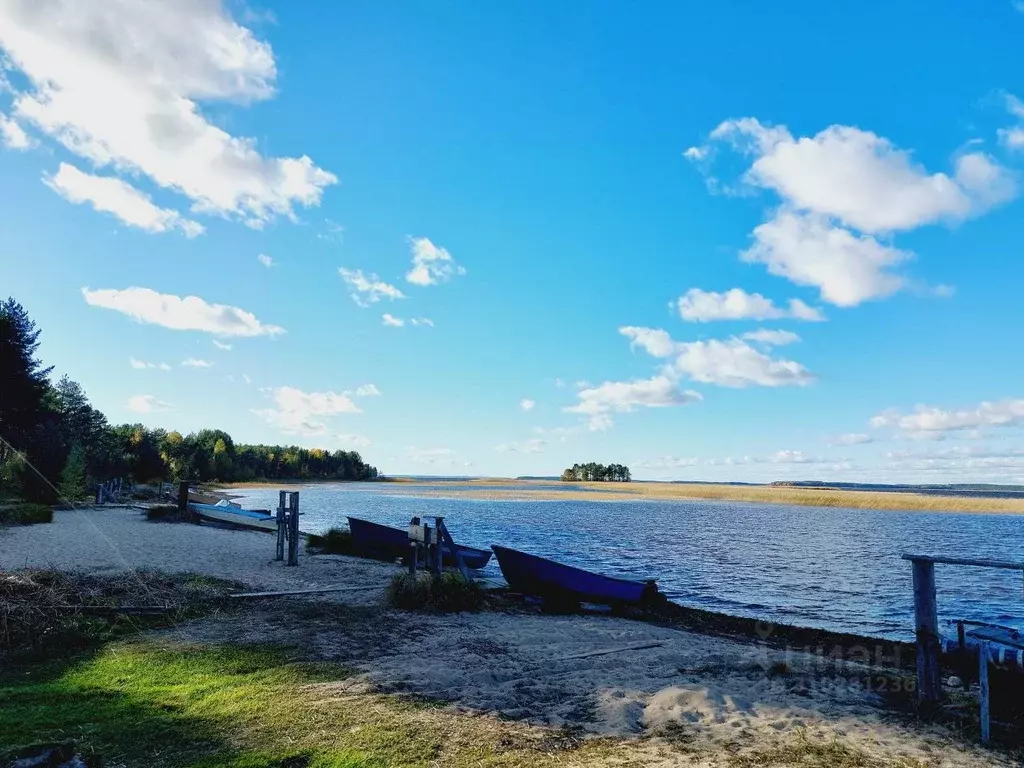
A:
(25, 514)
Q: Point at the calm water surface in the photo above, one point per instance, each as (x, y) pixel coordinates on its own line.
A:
(836, 569)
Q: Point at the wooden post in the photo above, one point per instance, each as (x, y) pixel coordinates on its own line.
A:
(926, 628)
(983, 692)
(446, 538)
(438, 554)
(182, 496)
(293, 520)
(280, 526)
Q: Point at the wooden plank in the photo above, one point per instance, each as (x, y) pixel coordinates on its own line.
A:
(607, 651)
(926, 629)
(446, 538)
(312, 591)
(1004, 564)
(983, 685)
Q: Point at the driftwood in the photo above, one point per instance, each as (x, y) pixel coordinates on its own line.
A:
(313, 591)
(606, 651)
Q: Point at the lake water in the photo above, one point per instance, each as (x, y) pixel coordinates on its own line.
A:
(836, 569)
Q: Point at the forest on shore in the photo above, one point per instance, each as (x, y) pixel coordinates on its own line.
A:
(54, 443)
(593, 472)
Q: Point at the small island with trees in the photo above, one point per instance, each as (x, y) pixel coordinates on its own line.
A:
(593, 472)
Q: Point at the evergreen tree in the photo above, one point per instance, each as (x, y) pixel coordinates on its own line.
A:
(23, 380)
(72, 477)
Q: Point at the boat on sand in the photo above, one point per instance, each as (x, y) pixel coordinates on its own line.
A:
(225, 512)
(385, 541)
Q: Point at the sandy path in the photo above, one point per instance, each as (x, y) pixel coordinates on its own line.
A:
(110, 539)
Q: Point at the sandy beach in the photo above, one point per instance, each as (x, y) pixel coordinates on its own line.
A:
(678, 698)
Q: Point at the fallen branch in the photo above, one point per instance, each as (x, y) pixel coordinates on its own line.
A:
(314, 591)
(607, 651)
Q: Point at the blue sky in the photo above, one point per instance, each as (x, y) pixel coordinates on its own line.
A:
(726, 241)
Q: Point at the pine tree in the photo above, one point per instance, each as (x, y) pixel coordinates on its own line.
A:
(72, 477)
(23, 379)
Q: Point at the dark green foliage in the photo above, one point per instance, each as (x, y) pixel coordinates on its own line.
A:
(593, 472)
(447, 593)
(25, 514)
(54, 443)
(337, 541)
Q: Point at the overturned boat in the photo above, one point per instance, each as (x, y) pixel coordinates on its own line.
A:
(391, 543)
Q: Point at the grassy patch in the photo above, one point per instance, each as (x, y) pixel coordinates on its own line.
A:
(449, 592)
(337, 541)
(25, 513)
(807, 754)
(47, 611)
(142, 703)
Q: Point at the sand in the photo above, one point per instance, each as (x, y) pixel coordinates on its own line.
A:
(689, 700)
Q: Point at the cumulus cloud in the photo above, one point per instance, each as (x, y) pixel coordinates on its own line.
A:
(180, 314)
(736, 304)
(771, 338)
(265, 260)
(302, 413)
(110, 195)
(791, 457)
(527, 404)
(367, 390)
(193, 362)
(119, 83)
(841, 192)
(929, 419)
(13, 135)
(853, 438)
(221, 345)
(727, 363)
(598, 403)
(431, 264)
(392, 321)
(366, 290)
(1013, 137)
(424, 321)
(146, 404)
(141, 365)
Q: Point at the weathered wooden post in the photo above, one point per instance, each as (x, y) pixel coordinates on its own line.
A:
(444, 537)
(926, 630)
(983, 690)
(293, 529)
(280, 525)
(183, 496)
(438, 564)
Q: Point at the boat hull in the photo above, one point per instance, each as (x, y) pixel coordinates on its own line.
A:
(533, 575)
(391, 543)
(235, 516)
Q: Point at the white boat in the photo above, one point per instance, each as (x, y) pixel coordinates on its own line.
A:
(224, 512)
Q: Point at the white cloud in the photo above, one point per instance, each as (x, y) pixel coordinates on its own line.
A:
(193, 362)
(246, 379)
(808, 250)
(736, 304)
(265, 260)
(367, 390)
(13, 135)
(853, 438)
(772, 338)
(1013, 138)
(535, 445)
(667, 462)
(141, 365)
(931, 420)
(727, 363)
(431, 264)
(366, 290)
(302, 413)
(146, 404)
(357, 441)
(431, 455)
(527, 404)
(790, 457)
(110, 195)
(221, 345)
(423, 321)
(598, 403)
(119, 83)
(559, 383)
(180, 314)
(392, 321)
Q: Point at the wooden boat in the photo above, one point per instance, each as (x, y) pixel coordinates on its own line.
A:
(385, 541)
(247, 518)
(198, 497)
(533, 575)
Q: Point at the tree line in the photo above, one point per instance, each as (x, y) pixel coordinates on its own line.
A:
(593, 472)
(53, 442)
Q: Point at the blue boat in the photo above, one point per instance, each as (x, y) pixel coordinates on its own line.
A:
(233, 515)
(385, 541)
(533, 575)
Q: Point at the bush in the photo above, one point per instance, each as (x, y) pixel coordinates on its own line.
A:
(26, 514)
(447, 593)
(337, 541)
(165, 513)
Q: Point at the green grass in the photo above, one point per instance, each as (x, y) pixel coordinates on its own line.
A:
(337, 541)
(447, 593)
(145, 704)
(25, 513)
